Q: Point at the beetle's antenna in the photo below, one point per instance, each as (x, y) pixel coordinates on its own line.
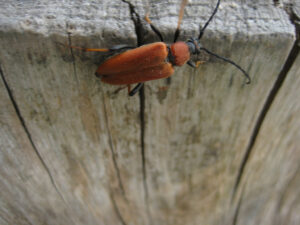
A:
(181, 12)
(229, 61)
(208, 21)
(156, 31)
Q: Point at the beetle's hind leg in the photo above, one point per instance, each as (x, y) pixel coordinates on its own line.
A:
(135, 89)
(130, 92)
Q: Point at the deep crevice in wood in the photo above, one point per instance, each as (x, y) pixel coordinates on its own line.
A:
(280, 79)
(19, 115)
(267, 105)
(139, 30)
(143, 152)
(237, 209)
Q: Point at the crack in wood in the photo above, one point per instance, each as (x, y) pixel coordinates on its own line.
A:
(138, 26)
(139, 30)
(143, 152)
(238, 207)
(23, 123)
(267, 105)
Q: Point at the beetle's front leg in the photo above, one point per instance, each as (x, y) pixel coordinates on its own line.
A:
(193, 64)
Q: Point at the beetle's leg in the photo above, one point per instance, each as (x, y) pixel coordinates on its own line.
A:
(156, 31)
(117, 90)
(136, 89)
(180, 16)
(191, 64)
(199, 62)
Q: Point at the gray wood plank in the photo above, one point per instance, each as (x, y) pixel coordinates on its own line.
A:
(272, 177)
(88, 135)
(27, 195)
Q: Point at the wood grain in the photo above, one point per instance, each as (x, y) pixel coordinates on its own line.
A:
(272, 177)
(70, 146)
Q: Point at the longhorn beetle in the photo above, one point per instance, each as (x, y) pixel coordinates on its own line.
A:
(153, 61)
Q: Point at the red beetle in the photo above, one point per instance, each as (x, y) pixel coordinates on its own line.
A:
(152, 61)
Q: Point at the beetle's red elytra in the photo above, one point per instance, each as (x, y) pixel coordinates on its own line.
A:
(148, 62)
(153, 61)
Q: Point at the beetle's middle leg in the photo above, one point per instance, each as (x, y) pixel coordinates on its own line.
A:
(130, 92)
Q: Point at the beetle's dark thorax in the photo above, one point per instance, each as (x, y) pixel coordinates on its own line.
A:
(170, 57)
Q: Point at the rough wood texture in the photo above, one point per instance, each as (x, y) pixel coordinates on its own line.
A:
(216, 151)
(272, 176)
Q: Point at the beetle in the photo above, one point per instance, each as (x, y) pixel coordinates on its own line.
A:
(153, 61)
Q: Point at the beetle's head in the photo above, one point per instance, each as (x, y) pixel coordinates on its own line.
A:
(194, 46)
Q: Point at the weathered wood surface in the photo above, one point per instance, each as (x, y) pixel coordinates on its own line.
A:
(74, 156)
(272, 177)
